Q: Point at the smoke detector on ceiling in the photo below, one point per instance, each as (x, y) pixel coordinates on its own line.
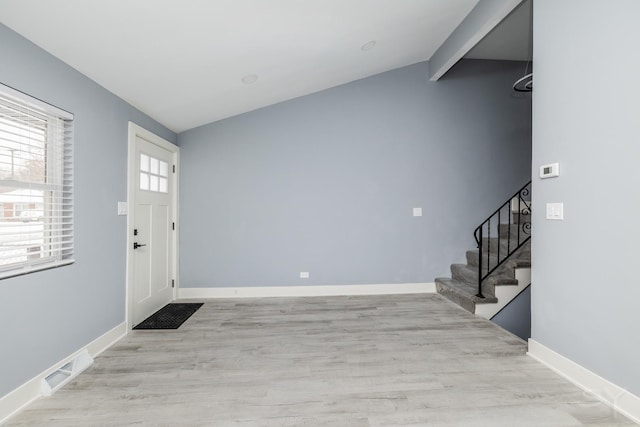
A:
(249, 79)
(368, 45)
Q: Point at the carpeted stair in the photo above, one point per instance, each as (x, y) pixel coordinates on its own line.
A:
(462, 287)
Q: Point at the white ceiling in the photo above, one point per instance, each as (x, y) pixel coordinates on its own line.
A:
(182, 61)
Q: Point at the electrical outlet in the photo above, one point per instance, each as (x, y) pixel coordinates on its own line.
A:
(304, 274)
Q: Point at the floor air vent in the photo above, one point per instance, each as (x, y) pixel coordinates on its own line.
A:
(65, 373)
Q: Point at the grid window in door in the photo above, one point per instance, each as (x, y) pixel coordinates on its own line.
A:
(154, 174)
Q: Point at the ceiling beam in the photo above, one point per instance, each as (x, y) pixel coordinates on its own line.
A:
(478, 23)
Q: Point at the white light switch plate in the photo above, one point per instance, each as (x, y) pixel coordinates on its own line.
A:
(555, 211)
(304, 274)
(417, 211)
(123, 209)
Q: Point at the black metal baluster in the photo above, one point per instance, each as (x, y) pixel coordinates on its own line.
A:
(509, 227)
(488, 247)
(479, 294)
(479, 234)
(499, 221)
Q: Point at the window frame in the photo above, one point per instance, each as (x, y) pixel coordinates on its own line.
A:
(57, 188)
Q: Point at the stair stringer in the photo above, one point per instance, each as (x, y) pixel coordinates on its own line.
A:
(505, 294)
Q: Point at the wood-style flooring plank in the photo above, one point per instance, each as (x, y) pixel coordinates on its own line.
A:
(362, 361)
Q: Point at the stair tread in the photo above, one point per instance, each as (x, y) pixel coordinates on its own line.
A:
(460, 287)
(520, 262)
(462, 293)
(505, 244)
(469, 274)
(519, 259)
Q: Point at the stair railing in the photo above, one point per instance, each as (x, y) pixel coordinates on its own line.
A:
(517, 229)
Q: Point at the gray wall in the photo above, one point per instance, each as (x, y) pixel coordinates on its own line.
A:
(515, 317)
(46, 316)
(585, 288)
(326, 183)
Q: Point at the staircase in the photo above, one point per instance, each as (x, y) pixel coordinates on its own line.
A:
(500, 268)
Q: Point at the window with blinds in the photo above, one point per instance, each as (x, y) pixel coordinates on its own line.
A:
(36, 184)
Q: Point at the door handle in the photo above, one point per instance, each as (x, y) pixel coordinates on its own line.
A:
(137, 245)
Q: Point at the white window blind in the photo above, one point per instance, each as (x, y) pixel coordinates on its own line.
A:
(36, 184)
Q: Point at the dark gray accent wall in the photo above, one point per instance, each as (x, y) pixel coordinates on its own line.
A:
(585, 290)
(46, 316)
(515, 317)
(326, 183)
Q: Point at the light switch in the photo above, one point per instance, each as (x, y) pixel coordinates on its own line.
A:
(304, 274)
(417, 211)
(555, 211)
(123, 209)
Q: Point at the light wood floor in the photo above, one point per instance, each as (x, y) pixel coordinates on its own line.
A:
(405, 360)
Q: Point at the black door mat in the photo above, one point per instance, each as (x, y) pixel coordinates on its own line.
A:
(171, 316)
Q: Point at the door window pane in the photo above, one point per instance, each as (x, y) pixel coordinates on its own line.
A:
(153, 183)
(144, 163)
(154, 166)
(144, 181)
(154, 174)
(164, 169)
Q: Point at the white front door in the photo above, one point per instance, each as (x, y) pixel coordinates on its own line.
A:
(152, 187)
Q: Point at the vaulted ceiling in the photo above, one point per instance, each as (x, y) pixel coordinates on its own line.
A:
(191, 62)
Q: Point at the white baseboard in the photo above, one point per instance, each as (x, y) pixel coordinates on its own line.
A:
(306, 291)
(17, 399)
(612, 395)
